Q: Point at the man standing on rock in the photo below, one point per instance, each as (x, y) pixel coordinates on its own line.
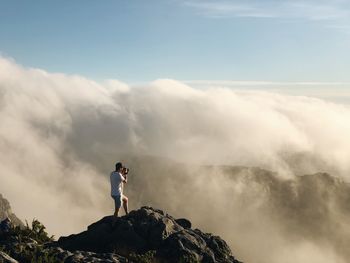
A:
(118, 177)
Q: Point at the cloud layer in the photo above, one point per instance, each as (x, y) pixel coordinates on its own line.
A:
(60, 136)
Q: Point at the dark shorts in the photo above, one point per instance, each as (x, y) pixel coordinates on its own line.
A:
(117, 201)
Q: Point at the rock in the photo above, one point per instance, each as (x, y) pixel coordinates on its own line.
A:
(5, 228)
(5, 225)
(4, 258)
(185, 223)
(186, 245)
(217, 245)
(60, 253)
(152, 233)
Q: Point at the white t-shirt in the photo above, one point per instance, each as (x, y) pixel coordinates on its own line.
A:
(116, 183)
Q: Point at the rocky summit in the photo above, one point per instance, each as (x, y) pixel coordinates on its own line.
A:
(149, 235)
(145, 235)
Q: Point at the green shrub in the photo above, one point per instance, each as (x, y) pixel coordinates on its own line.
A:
(26, 244)
(36, 232)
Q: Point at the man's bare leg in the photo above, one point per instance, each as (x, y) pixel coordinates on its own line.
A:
(125, 204)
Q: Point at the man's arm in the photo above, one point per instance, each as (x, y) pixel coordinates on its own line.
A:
(124, 178)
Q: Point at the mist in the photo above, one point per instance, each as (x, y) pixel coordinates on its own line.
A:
(189, 150)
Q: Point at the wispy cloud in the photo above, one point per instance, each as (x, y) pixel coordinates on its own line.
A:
(336, 12)
(226, 9)
(338, 92)
(264, 83)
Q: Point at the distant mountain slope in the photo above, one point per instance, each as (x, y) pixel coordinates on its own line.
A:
(6, 212)
(245, 204)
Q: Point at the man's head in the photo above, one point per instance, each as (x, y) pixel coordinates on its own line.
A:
(118, 166)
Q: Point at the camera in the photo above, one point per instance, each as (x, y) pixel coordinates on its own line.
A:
(125, 170)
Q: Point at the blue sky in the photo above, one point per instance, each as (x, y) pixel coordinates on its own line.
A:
(143, 40)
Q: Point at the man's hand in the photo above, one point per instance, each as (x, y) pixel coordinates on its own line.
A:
(125, 176)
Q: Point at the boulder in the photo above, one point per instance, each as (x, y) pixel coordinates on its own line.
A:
(148, 231)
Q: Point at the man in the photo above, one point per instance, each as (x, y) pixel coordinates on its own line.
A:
(118, 177)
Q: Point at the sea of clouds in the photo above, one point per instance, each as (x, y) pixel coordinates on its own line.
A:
(60, 135)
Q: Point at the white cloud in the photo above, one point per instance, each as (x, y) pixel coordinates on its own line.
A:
(60, 136)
